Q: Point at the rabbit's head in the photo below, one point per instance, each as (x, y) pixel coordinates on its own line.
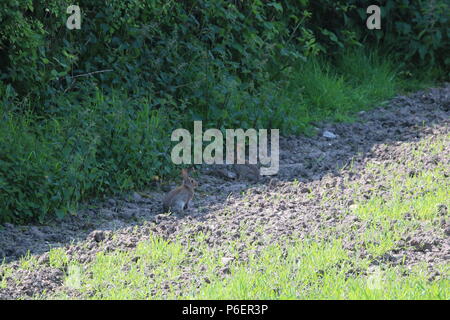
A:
(187, 180)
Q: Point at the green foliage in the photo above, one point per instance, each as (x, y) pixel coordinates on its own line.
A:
(49, 165)
(418, 31)
(415, 32)
(171, 50)
(178, 50)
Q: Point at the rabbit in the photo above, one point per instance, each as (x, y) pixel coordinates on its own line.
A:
(247, 171)
(178, 199)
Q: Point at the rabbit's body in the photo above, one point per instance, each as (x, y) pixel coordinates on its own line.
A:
(178, 199)
(247, 171)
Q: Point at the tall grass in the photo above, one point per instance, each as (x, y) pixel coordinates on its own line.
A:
(356, 81)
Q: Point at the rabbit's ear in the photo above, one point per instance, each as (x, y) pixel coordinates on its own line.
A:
(184, 173)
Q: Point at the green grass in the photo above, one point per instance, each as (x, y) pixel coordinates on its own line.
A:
(304, 270)
(319, 271)
(6, 272)
(288, 269)
(58, 258)
(418, 195)
(356, 81)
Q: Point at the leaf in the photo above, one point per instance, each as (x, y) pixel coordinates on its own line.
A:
(60, 213)
(276, 5)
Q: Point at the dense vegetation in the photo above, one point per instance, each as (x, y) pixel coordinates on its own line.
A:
(89, 112)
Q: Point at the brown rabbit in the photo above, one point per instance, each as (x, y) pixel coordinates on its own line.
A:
(247, 171)
(178, 199)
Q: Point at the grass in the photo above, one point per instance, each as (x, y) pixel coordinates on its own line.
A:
(319, 271)
(287, 269)
(304, 270)
(57, 258)
(336, 92)
(290, 269)
(418, 195)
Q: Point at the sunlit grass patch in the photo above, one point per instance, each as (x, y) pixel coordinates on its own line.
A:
(310, 269)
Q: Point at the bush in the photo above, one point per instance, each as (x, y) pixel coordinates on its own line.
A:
(177, 50)
(415, 32)
(169, 49)
(48, 165)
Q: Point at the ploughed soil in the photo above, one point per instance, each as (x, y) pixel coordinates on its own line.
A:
(312, 191)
